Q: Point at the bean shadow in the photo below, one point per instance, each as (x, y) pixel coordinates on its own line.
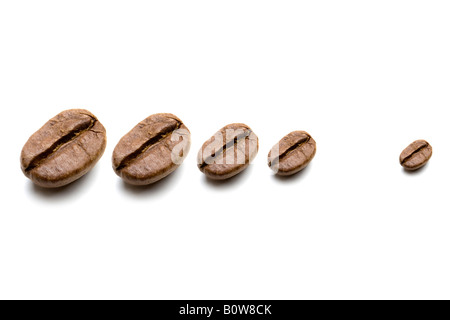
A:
(417, 172)
(153, 189)
(294, 178)
(65, 193)
(229, 183)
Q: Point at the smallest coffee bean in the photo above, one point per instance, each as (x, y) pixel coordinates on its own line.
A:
(416, 155)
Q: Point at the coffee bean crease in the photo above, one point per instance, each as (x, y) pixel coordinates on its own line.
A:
(64, 140)
(160, 137)
(228, 145)
(407, 158)
(289, 150)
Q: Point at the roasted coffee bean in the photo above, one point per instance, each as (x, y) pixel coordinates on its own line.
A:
(416, 155)
(292, 153)
(228, 152)
(64, 149)
(152, 150)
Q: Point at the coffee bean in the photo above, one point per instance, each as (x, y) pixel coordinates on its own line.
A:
(292, 153)
(152, 150)
(228, 152)
(64, 149)
(416, 155)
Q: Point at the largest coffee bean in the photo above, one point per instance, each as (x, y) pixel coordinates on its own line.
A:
(64, 149)
(416, 155)
(152, 150)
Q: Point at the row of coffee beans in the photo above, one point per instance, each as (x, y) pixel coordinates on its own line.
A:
(70, 144)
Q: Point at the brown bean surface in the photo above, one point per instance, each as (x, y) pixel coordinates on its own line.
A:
(152, 150)
(292, 153)
(64, 149)
(228, 152)
(416, 155)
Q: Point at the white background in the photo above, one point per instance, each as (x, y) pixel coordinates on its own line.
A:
(364, 78)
